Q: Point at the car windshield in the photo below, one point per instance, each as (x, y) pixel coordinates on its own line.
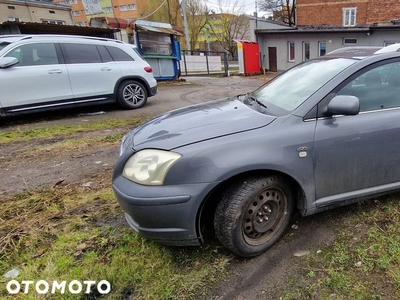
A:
(287, 91)
(3, 45)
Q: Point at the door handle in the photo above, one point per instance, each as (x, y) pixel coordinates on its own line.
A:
(55, 71)
(106, 69)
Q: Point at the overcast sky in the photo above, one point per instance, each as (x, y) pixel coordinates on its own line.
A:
(248, 6)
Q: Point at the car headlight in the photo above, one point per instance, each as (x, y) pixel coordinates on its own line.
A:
(150, 166)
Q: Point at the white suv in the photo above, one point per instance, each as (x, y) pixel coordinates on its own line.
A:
(42, 72)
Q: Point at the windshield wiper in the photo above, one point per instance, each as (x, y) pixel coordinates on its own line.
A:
(253, 99)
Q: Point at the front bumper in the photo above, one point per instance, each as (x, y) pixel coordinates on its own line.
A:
(165, 214)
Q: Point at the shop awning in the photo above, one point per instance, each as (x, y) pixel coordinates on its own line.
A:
(158, 29)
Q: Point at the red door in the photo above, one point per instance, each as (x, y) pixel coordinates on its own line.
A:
(251, 58)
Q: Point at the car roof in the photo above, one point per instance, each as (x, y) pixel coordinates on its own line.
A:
(355, 51)
(360, 52)
(10, 38)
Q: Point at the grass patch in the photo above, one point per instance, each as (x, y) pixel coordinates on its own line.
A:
(71, 232)
(46, 132)
(363, 263)
(73, 145)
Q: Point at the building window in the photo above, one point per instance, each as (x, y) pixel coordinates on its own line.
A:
(321, 48)
(387, 43)
(123, 8)
(349, 41)
(11, 7)
(306, 51)
(131, 7)
(349, 16)
(291, 52)
(108, 9)
(53, 22)
(52, 12)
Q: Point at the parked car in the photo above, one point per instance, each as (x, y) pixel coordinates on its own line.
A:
(43, 72)
(314, 138)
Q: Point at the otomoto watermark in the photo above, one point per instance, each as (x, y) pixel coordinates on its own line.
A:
(102, 287)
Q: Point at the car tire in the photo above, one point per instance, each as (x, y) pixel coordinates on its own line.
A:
(132, 94)
(253, 214)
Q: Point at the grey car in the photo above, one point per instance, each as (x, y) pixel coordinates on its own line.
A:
(322, 134)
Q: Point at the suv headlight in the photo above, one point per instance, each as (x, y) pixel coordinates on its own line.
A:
(150, 166)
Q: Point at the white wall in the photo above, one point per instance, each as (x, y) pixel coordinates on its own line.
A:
(333, 41)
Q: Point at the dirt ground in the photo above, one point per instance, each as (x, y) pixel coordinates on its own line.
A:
(33, 172)
(263, 277)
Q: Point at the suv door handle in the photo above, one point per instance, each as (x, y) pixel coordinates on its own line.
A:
(105, 69)
(55, 71)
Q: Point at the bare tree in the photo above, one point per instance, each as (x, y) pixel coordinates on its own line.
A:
(230, 24)
(165, 12)
(197, 17)
(282, 10)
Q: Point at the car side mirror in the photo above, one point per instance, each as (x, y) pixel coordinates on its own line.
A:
(6, 62)
(343, 105)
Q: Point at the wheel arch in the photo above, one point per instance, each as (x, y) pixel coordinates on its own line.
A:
(205, 214)
(136, 78)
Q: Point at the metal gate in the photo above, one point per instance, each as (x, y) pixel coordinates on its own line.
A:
(204, 63)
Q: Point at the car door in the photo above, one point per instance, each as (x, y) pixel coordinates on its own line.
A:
(359, 155)
(92, 76)
(40, 78)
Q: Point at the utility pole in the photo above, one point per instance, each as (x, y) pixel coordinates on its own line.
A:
(185, 25)
(169, 13)
(256, 13)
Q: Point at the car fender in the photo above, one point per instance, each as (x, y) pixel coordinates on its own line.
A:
(220, 159)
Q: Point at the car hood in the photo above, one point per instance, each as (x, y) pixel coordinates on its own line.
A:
(197, 123)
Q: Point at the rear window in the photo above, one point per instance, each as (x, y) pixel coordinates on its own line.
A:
(118, 54)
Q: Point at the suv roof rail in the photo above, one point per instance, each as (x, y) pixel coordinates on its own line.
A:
(38, 36)
(390, 48)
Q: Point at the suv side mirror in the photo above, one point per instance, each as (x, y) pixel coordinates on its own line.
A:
(343, 105)
(6, 62)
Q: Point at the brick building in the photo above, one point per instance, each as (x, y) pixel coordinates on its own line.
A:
(346, 12)
(84, 10)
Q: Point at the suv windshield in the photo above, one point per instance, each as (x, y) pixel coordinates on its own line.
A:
(285, 93)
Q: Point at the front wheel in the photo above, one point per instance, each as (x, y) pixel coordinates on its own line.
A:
(132, 94)
(253, 214)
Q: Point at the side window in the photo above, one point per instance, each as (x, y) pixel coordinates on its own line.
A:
(118, 54)
(81, 53)
(35, 54)
(378, 88)
(105, 55)
(16, 52)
